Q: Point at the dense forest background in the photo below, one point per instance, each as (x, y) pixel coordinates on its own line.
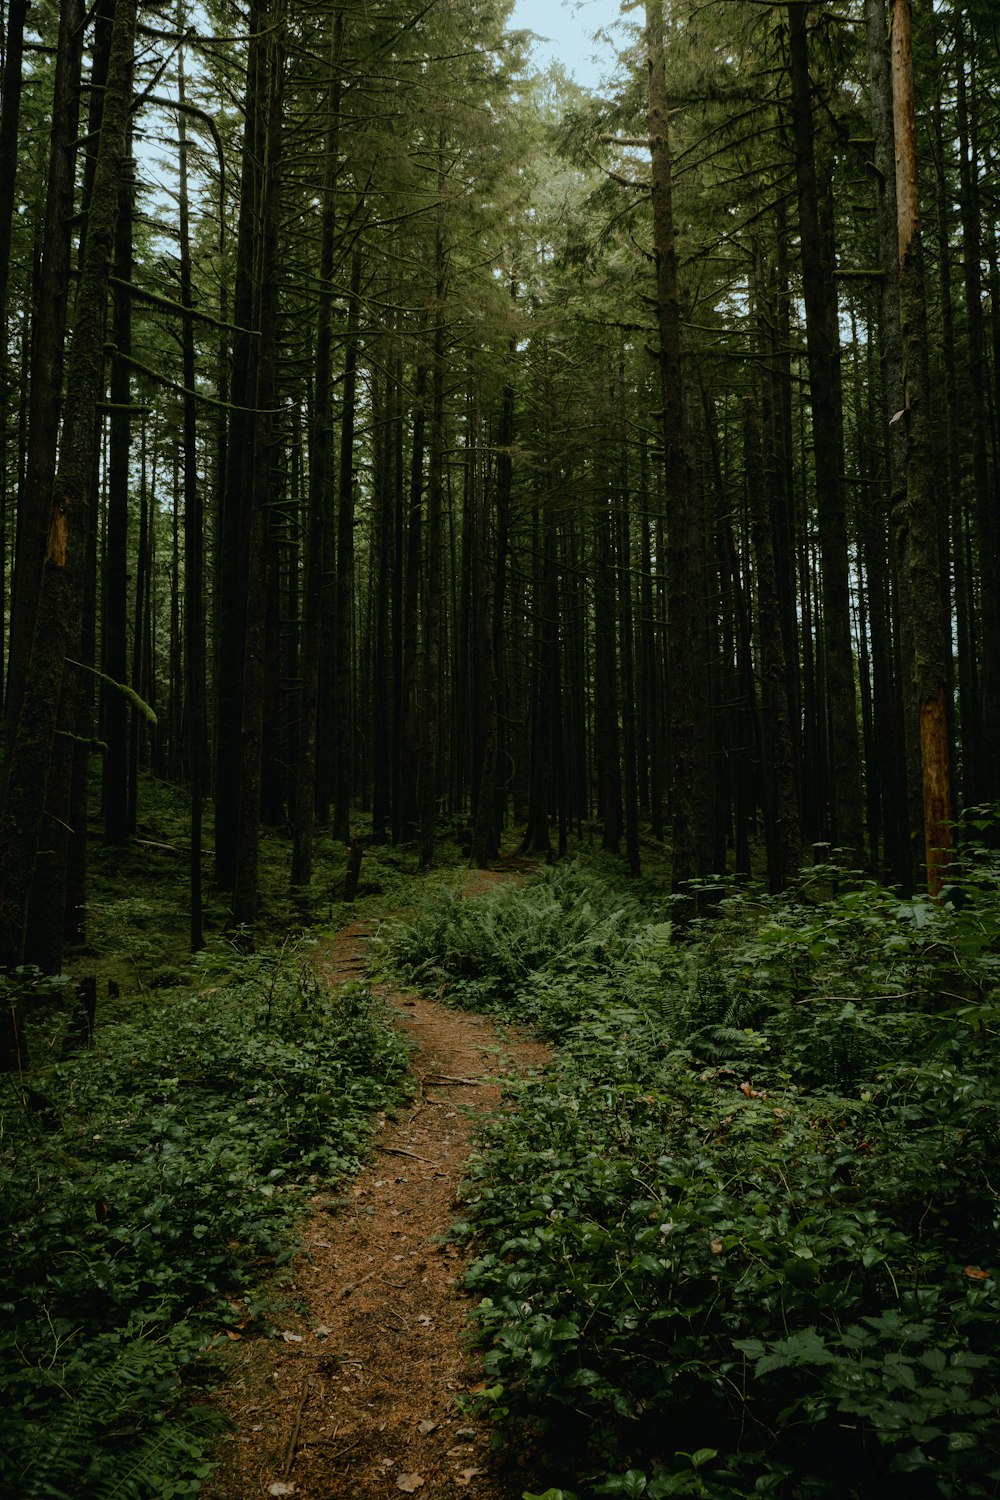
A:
(405, 458)
(394, 441)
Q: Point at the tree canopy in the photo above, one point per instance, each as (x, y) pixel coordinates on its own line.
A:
(464, 450)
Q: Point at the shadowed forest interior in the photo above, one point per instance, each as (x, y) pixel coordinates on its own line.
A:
(409, 459)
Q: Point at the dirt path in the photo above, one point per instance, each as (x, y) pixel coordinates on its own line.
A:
(357, 1396)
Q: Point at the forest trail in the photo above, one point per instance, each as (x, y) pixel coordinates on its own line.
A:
(356, 1396)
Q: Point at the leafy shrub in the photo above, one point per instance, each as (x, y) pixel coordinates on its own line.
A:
(741, 1238)
(136, 1230)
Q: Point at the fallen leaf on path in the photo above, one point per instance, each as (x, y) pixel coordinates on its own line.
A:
(291, 1338)
(467, 1475)
(426, 1426)
(409, 1482)
(279, 1487)
(425, 1320)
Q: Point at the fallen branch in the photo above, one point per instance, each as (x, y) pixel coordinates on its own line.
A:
(352, 1286)
(324, 1442)
(436, 1078)
(293, 1441)
(399, 1151)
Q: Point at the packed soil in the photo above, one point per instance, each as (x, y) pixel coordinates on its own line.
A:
(361, 1394)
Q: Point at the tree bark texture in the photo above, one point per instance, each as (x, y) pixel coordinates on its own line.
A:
(823, 344)
(929, 666)
(690, 739)
(64, 563)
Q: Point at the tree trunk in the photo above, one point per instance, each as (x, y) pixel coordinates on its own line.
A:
(986, 528)
(609, 775)
(486, 829)
(194, 521)
(245, 888)
(320, 469)
(114, 633)
(232, 562)
(381, 693)
(434, 593)
(46, 379)
(404, 811)
(783, 833)
(822, 340)
(627, 654)
(343, 781)
(896, 768)
(690, 704)
(10, 114)
(929, 667)
(61, 596)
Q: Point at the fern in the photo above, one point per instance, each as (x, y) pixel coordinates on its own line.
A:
(114, 1431)
(520, 949)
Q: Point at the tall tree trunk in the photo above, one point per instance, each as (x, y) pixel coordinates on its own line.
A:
(381, 593)
(627, 654)
(61, 595)
(986, 527)
(486, 829)
(235, 528)
(320, 469)
(609, 774)
(139, 630)
(114, 632)
(45, 384)
(434, 594)
(10, 115)
(58, 895)
(343, 781)
(923, 559)
(649, 638)
(822, 340)
(783, 834)
(194, 564)
(404, 811)
(536, 834)
(690, 703)
(898, 772)
(955, 516)
(245, 887)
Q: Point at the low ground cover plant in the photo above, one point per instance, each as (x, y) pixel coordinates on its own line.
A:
(145, 1188)
(741, 1239)
(519, 950)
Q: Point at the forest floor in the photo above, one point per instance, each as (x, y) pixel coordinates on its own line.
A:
(360, 1393)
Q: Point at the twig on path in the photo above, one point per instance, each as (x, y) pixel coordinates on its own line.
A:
(325, 1442)
(352, 1286)
(399, 1151)
(293, 1441)
(434, 1078)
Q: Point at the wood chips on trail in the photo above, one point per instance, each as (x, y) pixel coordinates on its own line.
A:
(357, 1397)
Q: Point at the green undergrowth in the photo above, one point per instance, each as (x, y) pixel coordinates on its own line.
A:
(148, 1185)
(742, 1238)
